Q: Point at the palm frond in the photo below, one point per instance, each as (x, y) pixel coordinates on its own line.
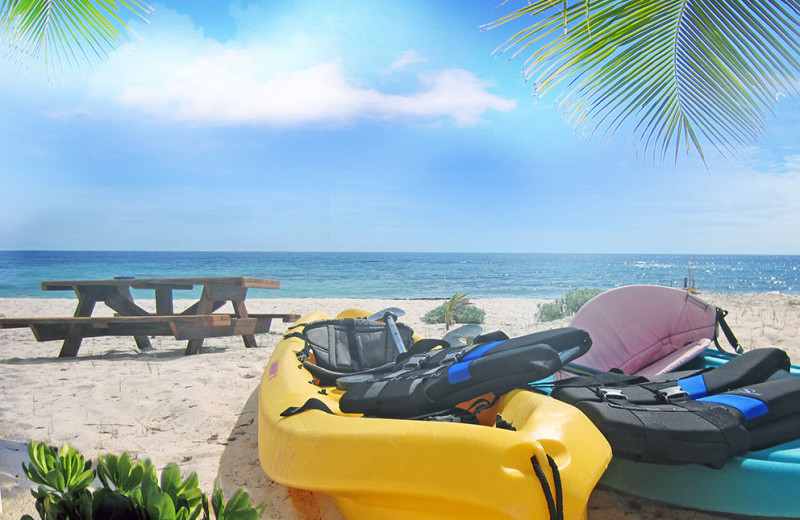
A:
(680, 73)
(63, 33)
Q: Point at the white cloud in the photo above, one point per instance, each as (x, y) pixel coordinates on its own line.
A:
(230, 88)
(285, 79)
(407, 59)
(455, 93)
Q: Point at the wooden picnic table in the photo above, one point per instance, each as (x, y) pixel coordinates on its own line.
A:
(193, 323)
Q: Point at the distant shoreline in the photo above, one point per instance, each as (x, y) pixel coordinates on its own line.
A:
(409, 275)
(65, 295)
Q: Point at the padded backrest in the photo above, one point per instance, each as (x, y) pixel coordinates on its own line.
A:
(645, 329)
(352, 345)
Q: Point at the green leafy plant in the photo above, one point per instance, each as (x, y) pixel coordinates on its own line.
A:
(63, 480)
(65, 32)
(676, 72)
(567, 305)
(237, 508)
(129, 490)
(458, 309)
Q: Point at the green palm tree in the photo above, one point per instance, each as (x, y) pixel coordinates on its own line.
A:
(453, 306)
(675, 73)
(64, 33)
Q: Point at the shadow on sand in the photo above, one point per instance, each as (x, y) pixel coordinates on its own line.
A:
(131, 354)
(14, 486)
(240, 468)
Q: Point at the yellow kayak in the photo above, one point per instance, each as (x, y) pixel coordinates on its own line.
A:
(377, 468)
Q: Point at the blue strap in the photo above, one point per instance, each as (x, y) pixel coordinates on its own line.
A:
(479, 352)
(459, 372)
(695, 386)
(749, 406)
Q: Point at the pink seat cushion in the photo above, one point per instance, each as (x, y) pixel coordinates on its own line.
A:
(645, 329)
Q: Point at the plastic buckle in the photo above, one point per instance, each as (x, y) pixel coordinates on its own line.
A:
(451, 358)
(612, 394)
(673, 392)
(414, 362)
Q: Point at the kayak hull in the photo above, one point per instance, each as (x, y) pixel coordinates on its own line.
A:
(406, 469)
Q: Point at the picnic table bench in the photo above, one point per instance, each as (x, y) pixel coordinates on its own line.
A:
(194, 324)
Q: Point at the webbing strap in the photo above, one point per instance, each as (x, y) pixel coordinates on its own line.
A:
(736, 437)
(311, 404)
(371, 395)
(425, 345)
(600, 379)
(656, 439)
(726, 329)
(350, 328)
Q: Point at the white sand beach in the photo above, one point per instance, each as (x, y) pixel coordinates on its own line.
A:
(200, 411)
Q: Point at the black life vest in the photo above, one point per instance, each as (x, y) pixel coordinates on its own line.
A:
(438, 380)
(707, 417)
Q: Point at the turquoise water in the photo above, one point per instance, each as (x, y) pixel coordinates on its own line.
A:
(404, 275)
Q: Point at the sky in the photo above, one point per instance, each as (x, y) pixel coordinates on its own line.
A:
(354, 126)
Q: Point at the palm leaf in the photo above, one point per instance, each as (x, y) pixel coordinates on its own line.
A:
(677, 73)
(64, 33)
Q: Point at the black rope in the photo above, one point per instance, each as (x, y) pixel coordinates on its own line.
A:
(555, 506)
(557, 485)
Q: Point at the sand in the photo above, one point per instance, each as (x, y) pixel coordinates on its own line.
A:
(200, 411)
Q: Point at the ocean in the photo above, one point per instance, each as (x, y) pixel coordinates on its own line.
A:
(405, 275)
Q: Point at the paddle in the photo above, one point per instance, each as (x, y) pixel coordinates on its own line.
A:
(389, 316)
(463, 335)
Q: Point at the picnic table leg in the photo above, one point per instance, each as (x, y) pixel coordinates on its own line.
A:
(121, 300)
(206, 305)
(240, 311)
(164, 301)
(72, 343)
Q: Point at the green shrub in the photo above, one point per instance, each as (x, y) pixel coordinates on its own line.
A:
(470, 314)
(130, 490)
(458, 309)
(576, 298)
(551, 311)
(567, 305)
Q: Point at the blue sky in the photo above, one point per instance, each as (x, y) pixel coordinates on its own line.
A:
(354, 126)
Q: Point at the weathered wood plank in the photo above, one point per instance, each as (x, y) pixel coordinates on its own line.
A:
(101, 321)
(152, 283)
(265, 320)
(47, 329)
(53, 331)
(196, 331)
(14, 323)
(286, 317)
